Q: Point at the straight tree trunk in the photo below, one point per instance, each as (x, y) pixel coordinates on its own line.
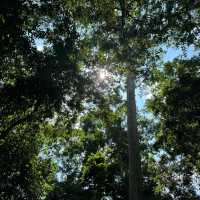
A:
(133, 141)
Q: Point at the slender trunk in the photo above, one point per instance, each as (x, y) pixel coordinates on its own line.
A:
(133, 141)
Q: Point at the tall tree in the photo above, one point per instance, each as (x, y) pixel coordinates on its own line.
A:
(133, 138)
(132, 53)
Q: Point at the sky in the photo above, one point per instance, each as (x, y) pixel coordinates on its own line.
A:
(172, 53)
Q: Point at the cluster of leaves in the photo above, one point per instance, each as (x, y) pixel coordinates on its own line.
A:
(24, 175)
(176, 105)
(34, 85)
(94, 156)
(170, 21)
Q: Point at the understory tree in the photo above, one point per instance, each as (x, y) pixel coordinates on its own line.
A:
(176, 104)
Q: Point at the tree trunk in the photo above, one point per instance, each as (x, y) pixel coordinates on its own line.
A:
(133, 141)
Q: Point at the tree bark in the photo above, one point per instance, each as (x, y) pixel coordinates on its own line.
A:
(133, 141)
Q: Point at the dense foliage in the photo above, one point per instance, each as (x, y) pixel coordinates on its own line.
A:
(176, 105)
(34, 85)
(63, 129)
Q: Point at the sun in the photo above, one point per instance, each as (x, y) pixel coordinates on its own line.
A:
(103, 74)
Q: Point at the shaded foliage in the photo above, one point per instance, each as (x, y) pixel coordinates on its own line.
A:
(34, 85)
(176, 104)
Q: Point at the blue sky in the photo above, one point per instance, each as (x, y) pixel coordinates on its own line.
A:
(172, 53)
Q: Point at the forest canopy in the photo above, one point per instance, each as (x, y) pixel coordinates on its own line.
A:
(71, 75)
